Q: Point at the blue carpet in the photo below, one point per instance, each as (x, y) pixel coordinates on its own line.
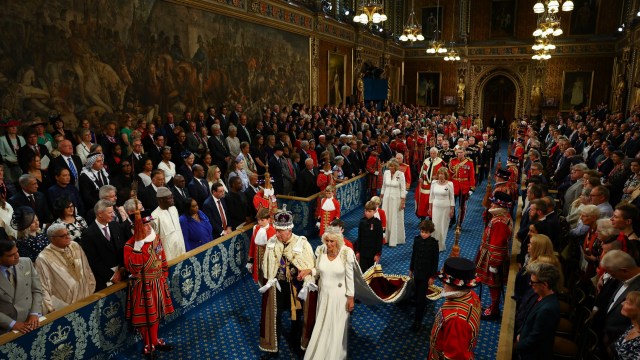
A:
(226, 327)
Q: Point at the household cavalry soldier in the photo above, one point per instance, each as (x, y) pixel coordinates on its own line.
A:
(421, 146)
(456, 325)
(462, 174)
(412, 150)
(286, 287)
(473, 152)
(428, 173)
(492, 258)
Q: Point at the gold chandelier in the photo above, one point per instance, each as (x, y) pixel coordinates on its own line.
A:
(370, 11)
(452, 54)
(548, 26)
(412, 30)
(436, 46)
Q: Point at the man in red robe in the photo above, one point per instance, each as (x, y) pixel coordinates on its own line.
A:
(492, 259)
(148, 299)
(428, 172)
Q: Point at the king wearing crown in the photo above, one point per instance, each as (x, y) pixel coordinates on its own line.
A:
(286, 288)
(148, 299)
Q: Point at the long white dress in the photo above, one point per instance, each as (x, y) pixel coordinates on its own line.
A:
(394, 189)
(329, 336)
(442, 199)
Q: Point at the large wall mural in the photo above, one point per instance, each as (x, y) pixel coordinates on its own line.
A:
(85, 58)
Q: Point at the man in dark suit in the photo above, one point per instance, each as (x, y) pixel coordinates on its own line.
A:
(31, 149)
(67, 160)
(243, 130)
(275, 169)
(109, 138)
(235, 116)
(198, 187)
(20, 291)
(239, 210)
(147, 195)
(155, 151)
(537, 333)
(168, 128)
(92, 179)
(307, 179)
(216, 210)
(31, 197)
(250, 192)
(348, 168)
(103, 243)
(219, 149)
(622, 267)
(211, 117)
(180, 193)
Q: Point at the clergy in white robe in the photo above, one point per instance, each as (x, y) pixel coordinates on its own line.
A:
(64, 271)
(166, 222)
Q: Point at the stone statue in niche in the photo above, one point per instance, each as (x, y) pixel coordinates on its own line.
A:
(536, 97)
(461, 87)
(618, 96)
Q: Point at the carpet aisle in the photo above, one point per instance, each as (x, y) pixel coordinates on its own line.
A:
(226, 327)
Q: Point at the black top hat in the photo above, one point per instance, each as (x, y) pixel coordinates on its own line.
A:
(502, 199)
(503, 174)
(23, 217)
(460, 272)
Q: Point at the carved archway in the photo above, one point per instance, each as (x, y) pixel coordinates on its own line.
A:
(517, 77)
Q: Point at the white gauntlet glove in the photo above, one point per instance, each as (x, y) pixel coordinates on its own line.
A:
(493, 270)
(249, 267)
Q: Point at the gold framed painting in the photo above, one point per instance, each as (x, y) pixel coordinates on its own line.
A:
(428, 89)
(337, 74)
(576, 89)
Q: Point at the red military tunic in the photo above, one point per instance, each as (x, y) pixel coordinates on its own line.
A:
(400, 147)
(428, 173)
(256, 250)
(455, 328)
(494, 249)
(513, 169)
(375, 165)
(148, 300)
(260, 202)
(462, 174)
(411, 155)
(406, 170)
(325, 178)
(420, 151)
(327, 216)
(518, 152)
(382, 216)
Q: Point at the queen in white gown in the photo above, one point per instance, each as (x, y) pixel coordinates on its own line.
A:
(334, 267)
(441, 204)
(393, 195)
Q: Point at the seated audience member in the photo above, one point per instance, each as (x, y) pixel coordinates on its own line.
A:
(627, 347)
(21, 295)
(29, 196)
(65, 212)
(196, 228)
(623, 268)
(166, 223)
(30, 238)
(537, 333)
(64, 271)
(64, 188)
(215, 207)
(103, 243)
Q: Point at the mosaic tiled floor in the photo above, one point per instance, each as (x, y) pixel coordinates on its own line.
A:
(227, 326)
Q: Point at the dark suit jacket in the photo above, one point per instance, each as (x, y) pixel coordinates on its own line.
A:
(89, 190)
(307, 183)
(41, 209)
(219, 151)
(198, 191)
(59, 162)
(25, 154)
(275, 170)
(249, 194)
(616, 323)
(237, 213)
(210, 209)
(167, 131)
(103, 254)
(244, 134)
(180, 200)
(154, 154)
(538, 330)
(148, 198)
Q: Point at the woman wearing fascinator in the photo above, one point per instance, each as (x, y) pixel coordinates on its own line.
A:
(31, 240)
